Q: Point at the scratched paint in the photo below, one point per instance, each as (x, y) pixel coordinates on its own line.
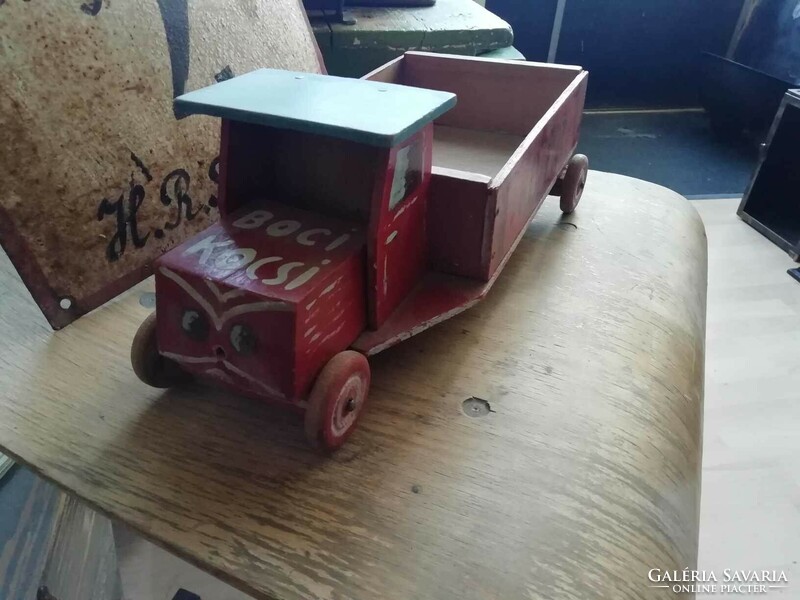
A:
(275, 247)
(400, 252)
(261, 301)
(287, 227)
(239, 258)
(336, 317)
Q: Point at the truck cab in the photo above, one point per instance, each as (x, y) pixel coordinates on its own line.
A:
(323, 189)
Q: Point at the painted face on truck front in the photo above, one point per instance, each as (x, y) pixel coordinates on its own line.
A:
(259, 301)
(224, 334)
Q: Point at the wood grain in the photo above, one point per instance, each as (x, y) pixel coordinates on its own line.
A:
(453, 26)
(382, 33)
(82, 564)
(99, 176)
(457, 220)
(473, 150)
(543, 103)
(523, 183)
(512, 96)
(751, 457)
(29, 509)
(584, 475)
(51, 540)
(319, 173)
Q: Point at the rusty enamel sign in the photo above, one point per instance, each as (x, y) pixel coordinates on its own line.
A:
(99, 174)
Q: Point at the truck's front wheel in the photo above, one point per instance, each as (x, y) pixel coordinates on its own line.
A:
(149, 366)
(337, 400)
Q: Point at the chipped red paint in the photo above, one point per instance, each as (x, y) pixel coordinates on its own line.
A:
(457, 246)
(329, 321)
(291, 279)
(473, 220)
(398, 248)
(518, 192)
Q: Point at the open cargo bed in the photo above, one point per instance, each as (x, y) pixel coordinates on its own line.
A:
(496, 154)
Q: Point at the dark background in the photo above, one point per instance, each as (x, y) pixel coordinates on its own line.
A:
(771, 40)
(640, 53)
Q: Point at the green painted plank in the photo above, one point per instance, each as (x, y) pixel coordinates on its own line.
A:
(454, 26)
(381, 34)
(379, 114)
(507, 53)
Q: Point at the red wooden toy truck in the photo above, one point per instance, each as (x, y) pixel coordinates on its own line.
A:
(338, 237)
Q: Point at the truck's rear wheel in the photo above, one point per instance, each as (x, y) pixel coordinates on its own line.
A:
(149, 366)
(337, 400)
(574, 181)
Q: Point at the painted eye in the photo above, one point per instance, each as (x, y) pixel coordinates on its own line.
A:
(243, 339)
(194, 324)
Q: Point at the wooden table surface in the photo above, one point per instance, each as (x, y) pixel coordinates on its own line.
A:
(584, 475)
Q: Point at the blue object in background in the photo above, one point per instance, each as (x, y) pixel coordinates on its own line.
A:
(532, 23)
(770, 41)
(640, 53)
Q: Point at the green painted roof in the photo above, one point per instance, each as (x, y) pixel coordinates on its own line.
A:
(379, 114)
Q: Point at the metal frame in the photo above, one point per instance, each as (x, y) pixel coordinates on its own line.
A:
(792, 98)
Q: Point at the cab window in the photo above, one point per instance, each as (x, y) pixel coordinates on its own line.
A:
(407, 173)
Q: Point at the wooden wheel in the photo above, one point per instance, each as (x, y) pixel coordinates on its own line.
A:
(149, 366)
(337, 400)
(574, 182)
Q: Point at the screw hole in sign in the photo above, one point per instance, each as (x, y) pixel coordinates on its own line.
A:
(65, 303)
(148, 299)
